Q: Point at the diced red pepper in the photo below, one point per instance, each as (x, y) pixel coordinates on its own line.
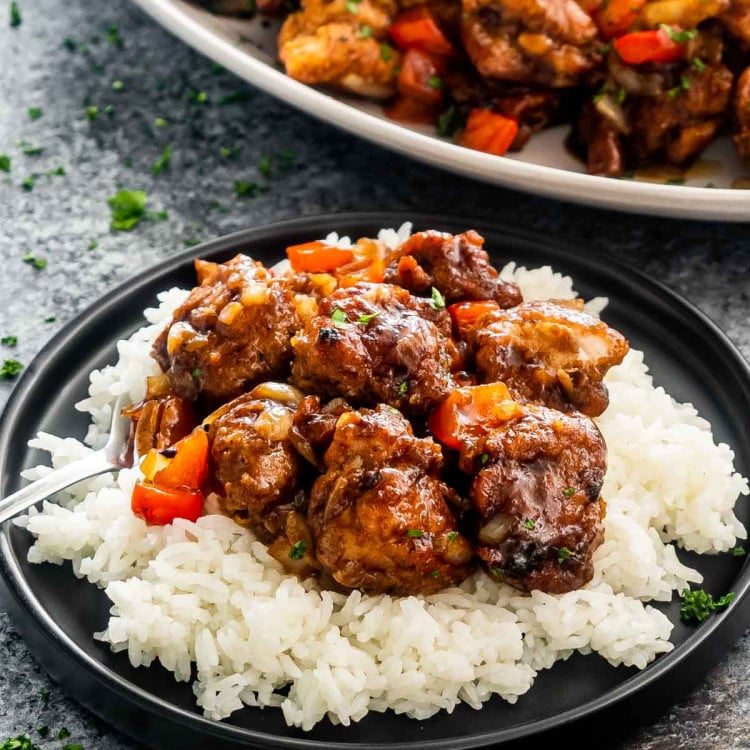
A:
(373, 271)
(419, 77)
(161, 506)
(417, 28)
(648, 46)
(615, 17)
(471, 411)
(317, 257)
(466, 314)
(489, 132)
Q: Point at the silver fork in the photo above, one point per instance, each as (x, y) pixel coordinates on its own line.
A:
(115, 455)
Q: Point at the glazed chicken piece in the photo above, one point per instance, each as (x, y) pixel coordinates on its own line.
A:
(736, 18)
(373, 343)
(379, 515)
(548, 353)
(536, 475)
(547, 42)
(231, 333)
(457, 265)
(325, 43)
(742, 109)
(256, 470)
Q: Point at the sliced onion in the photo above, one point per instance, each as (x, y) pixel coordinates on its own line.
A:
(274, 423)
(497, 528)
(609, 108)
(283, 392)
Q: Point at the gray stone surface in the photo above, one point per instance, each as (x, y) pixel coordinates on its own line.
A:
(63, 215)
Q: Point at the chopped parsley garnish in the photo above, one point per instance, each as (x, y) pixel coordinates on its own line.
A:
(93, 245)
(196, 373)
(113, 36)
(415, 533)
(35, 113)
(448, 122)
(386, 52)
(217, 69)
(15, 15)
(50, 319)
(118, 85)
(563, 554)
(191, 243)
(28, 183)
(452, 536)
(699, 65)
(9, 340)
(683, 86)
(199, 97)
(92, 112)
(496, 572)
(44, 695)
(244, 189)
(737, 551)
(435, 82)
(43, 731)
(22, 742)
(163, 161)
(697, 605)
(70, 44)
(29, 149)
(225, 152)
(297, 552)
(365, 32)
(338, 317)
(160, 122)
(4, 163)
(63, 734)
(529, 523)
(32, 260)
(484, 458)
(72, 747)
(109, 110)
(365, 319)
(265, 166)
(403, 387)
(352, 6)
(435, 574)
(437, 301)
(127, 209)
(9, 370)
(568, 492)
(678, 35)
(56, 172)
(620, 95)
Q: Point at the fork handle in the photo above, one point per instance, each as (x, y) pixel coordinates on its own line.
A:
(59, 479)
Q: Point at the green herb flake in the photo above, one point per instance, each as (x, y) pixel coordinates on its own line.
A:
(448, 122)
(297, 552)
(352, 6)
(56, 172)
(386, 52)
(191, 243)
(529, 523)
(9, 370)
(117, 85)
(113, 36)
(415, 533)
(365, 319)
(29, 149)
(497, 572)
(127, 207)
(72, 747)
(160, 122)
(699, 65)
(569, 492)
(437, 301)
(199, 97)
(697, 605)
(217, 69)
(403, 387)
(435, 574)
(563, 554)
(9, 340)
(70, 44)
(35, 113)
(15, 15)
(265, 166)
(339, 318)
(435, 82)
(162, 162)
(93, 245)
(484, 458)
(681, 36)
(365, 32)
(28, 183)
(92, 112)
(226, 153)
(109, 110)
(38, 263)
(42, 731)
(452, 536)
(50, 319)
(4, 163)
(737, 551)
(245, 189)
(63, 734)
(22, 742)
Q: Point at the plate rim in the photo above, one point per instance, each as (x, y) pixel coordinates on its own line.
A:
(676, 201)
(728, 624)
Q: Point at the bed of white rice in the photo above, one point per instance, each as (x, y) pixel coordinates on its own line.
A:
(208, 593)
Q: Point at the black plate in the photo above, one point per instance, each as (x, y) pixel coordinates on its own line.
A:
(57, 613)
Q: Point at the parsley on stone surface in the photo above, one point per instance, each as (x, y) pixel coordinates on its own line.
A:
(35, 113)
(9, 340)
(4, 163)
(36, 262)
(15, 15)
(163, 161)
(10, 369)
(127, 207)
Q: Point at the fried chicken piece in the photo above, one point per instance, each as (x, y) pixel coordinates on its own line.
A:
(456, 265)
(742, 109)
(548, 353)
(231, 333)
(256, 470)
(536, 492)
(374, 343)
(325, 43)
(379, 515)
(548, 42)
(736, 18)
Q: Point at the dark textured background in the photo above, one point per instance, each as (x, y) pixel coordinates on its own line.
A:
(63, 215)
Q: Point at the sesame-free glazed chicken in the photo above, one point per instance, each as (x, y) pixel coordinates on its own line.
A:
(325, 43)
(742, 112)
(548, 42)
(379, 515)
(537, 475)
(551, 353)
(374, 343)
(456, 265)
(231, 333)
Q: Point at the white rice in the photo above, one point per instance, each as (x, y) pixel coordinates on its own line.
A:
(208, 593)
